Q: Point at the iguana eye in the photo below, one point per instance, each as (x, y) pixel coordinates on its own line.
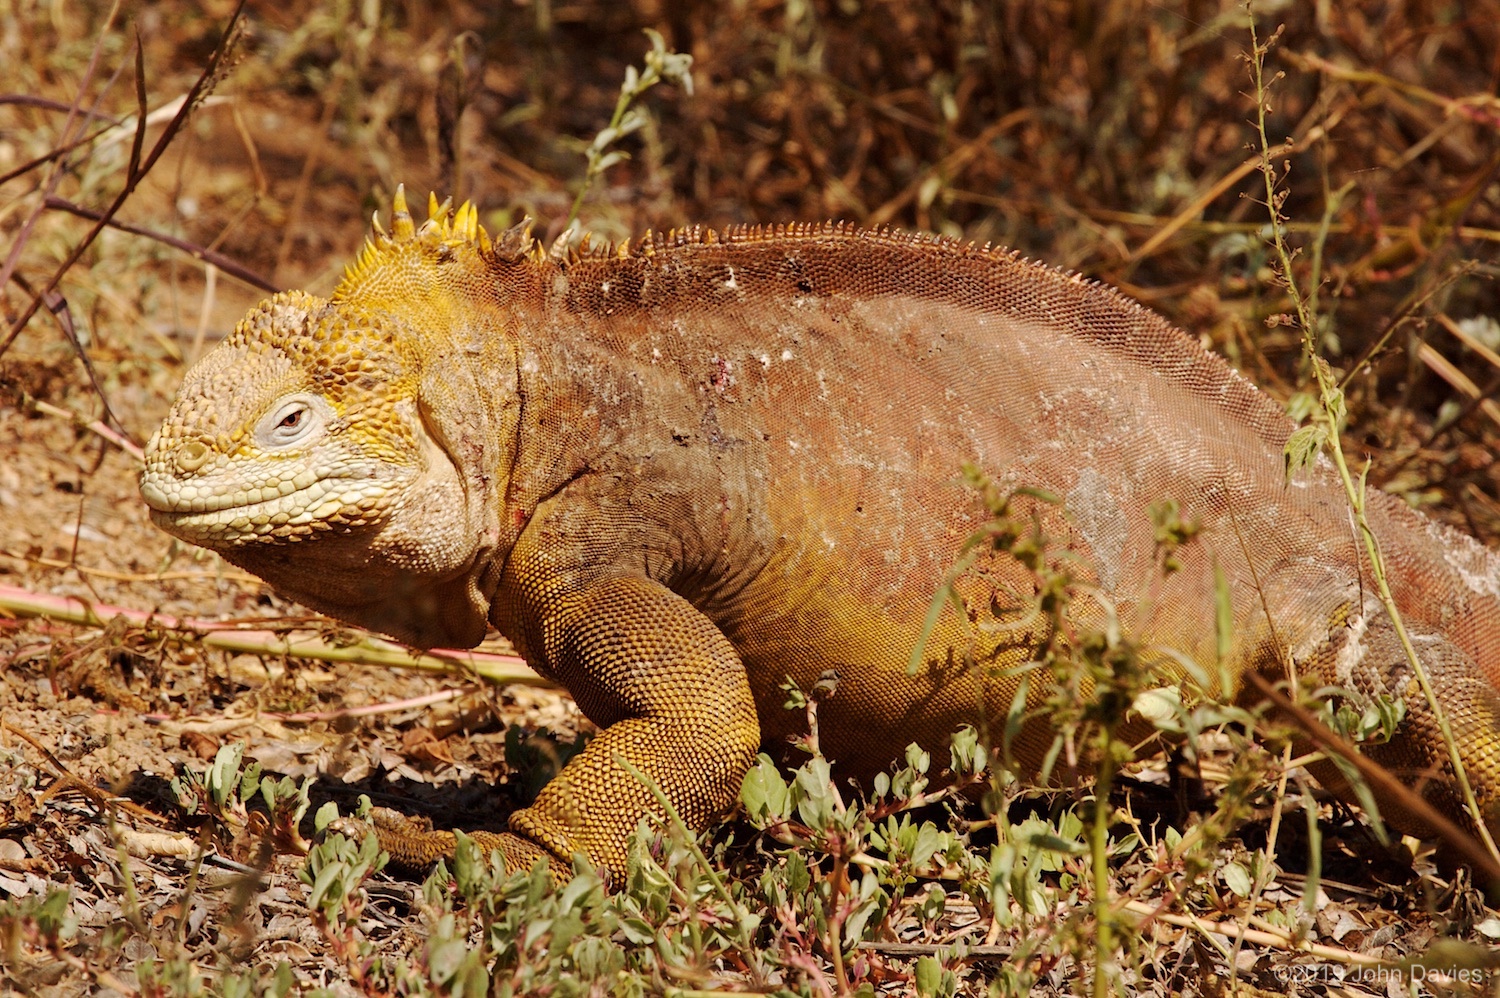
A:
(295, 419)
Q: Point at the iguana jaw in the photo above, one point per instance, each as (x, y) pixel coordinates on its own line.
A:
(411, 574)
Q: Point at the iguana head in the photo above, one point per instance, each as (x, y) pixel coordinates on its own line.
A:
(356, 424)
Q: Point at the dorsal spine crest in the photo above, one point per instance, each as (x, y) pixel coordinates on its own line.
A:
(447, 228)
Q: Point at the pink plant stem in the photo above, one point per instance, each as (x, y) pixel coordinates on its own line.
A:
(263, 641)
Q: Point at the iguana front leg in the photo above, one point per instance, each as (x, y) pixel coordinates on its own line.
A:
(673, 699)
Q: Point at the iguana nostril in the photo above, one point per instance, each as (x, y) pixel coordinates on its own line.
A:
(192, 456)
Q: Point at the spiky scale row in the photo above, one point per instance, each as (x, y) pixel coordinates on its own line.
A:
(447, 227)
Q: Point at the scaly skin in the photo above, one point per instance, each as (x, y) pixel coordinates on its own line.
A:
(676, 476)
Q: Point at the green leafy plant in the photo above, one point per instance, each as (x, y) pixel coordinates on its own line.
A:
(661, 66)
(1322, 433)
(224, 791)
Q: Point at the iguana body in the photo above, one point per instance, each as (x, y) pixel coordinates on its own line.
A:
(676, 476)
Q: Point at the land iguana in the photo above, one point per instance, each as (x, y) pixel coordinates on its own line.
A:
(678, 473)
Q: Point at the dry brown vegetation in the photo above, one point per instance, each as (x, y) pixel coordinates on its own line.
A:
(1112, 138)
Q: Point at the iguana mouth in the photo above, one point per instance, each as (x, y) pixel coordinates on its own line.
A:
(325, 503)
(204, 500)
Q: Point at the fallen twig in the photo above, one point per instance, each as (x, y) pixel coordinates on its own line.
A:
(93, 426)
(1260, 937)
(369, 709)
(1459, 381)
(107, 573)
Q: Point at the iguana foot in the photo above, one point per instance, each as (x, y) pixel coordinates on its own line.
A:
(414, 844)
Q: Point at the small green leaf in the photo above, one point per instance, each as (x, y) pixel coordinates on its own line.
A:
(1160, 705)
(221, 775)
(445, 959)
(932, 905)
(928, 976)
(327, 815)
(325, 881)
(764, 793)
(1236, 878)
(474, 981)
(1223, 627)
(633, 121)
(966, 755)
(604, 139)
(250, 780)
(609, 159)
(468, 866)
(928, 841)
(638, 931)
(1302, 448)
(577, 891)
(1301, 405)
(815, 804)
(1053, 843)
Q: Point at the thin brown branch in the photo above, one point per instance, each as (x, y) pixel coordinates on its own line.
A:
(948, 165)
(1459, 382)
(1481, 109)
(371, 709)
(13, 258)
(108, 573)
(200, 87)
(92, 425)
(48, 104)
(58, 306)
(52, 154)
(259, 640)
(202, 253)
